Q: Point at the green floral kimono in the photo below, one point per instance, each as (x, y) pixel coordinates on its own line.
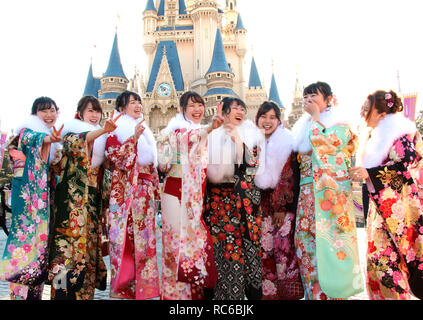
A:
(337, 258)
(76, 263)
(24, 261)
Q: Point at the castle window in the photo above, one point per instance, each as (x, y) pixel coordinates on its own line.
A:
(218, 75)
(219, 98)
(109, 101)
(111, 80)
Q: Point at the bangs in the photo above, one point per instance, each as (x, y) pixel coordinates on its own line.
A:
(46, 106)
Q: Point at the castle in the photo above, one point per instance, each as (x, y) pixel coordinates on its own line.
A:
(190, 45)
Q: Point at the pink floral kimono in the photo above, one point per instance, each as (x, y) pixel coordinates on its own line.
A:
(131, 213)
(188, 263)
(395, 221)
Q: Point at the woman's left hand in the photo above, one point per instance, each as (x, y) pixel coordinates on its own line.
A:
(358, 174)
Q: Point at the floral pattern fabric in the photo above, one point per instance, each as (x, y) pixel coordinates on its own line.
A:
(281, 276)
(75, 249)
(24, 261)
(336, 236)
(233, 216)
(395, 225)
(188, 264)
(131, 218)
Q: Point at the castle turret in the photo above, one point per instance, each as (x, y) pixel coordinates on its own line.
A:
(150, 25)
(219, 77)
(92, 85)
(255, 94)
(205, 21)
(274, 96)
(113, 81)
(241, 50)
(297, 104)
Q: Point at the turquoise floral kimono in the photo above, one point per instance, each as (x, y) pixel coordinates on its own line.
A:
(24, 261)
(337, 257)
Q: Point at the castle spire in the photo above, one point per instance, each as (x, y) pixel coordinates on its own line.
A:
(114, 69)
(274, 93)
(219, 62)
(254, 81)
(150, 6)
(92, 85)
(239, 23)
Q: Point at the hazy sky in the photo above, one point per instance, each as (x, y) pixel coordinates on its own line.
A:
(356, 46)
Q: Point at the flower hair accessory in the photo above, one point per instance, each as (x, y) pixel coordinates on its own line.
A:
(389, 100)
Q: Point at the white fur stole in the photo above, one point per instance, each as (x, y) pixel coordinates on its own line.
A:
(329, 118)
(146, 146)
(278, 149)
(376, 148)
(222, 150)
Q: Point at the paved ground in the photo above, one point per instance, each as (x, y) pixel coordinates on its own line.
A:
(104, 295)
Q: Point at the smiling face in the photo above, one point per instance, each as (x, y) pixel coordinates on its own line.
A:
(268, 122)
(236, 115)
(49, 116)
(90, 115)
(133, 108)
(194, 111)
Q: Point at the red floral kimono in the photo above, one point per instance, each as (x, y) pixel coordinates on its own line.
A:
(233, 214)
(131, 216)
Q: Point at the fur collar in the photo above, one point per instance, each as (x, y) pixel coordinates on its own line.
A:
(146, 146)
(179, 122)
(278, 149)
(376, 148)
(222, 151)
(329, 117)
(34, 123)
(79, 126)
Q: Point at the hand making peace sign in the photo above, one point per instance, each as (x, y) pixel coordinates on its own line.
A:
(55, 136)
(110, 124)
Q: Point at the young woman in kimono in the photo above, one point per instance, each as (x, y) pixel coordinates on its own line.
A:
(187, 254)
(325, 234)
(132, 152)
(390, 162)
(25, 259)
(232, 212)
(76, 264)
(279, 186)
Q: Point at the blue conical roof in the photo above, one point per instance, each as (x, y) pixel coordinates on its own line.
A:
(274, 94)
(92, 85)
(182, 7)
(150, 6)
(219, 63)
(254, 76)
(239, 24)
(114, 69)
(161, 8)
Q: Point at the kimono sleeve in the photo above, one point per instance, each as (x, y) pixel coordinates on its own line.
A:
(121, 156)
(395, 174)
(165, 152)
(74, 144)
(31, 142)
(285, 195)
